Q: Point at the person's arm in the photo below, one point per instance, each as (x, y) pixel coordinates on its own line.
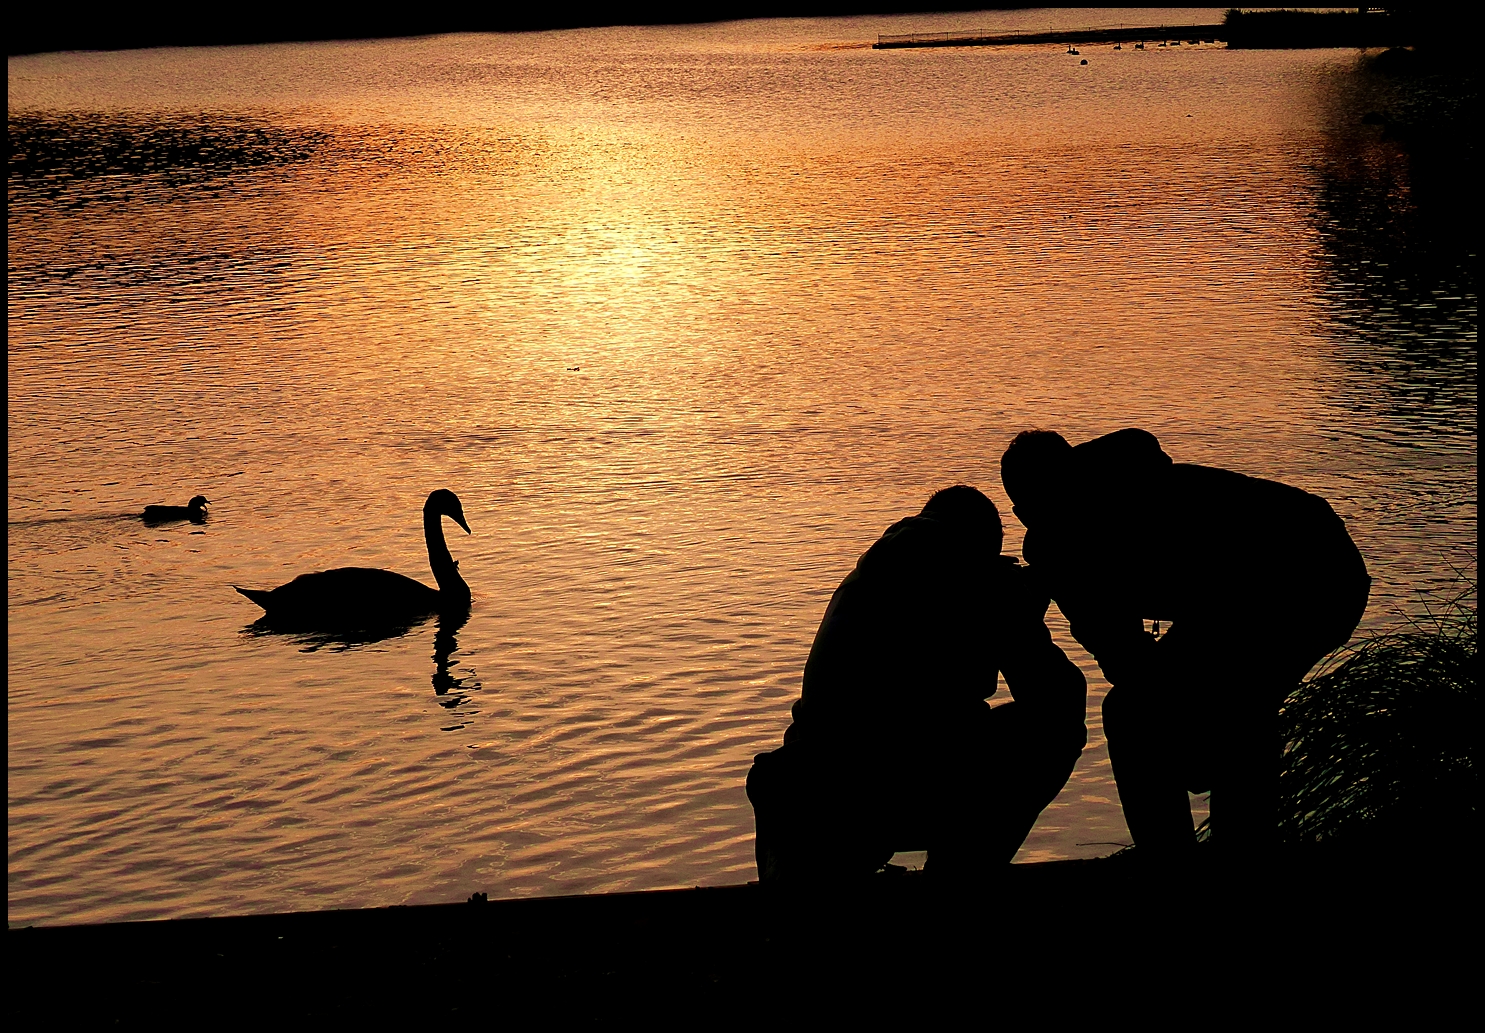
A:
(1037, 672)
(1070, 565)
(1116, 637)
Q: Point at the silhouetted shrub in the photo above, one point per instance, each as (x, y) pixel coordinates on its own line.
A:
(1282, 29)
(1379, 746)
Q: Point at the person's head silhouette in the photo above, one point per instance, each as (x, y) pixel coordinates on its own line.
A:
(969, 511)
(1031, 471)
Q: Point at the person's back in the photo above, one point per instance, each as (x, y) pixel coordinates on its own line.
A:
(893, 746)
(1176, 539)
(909, 636)
(1257, 580)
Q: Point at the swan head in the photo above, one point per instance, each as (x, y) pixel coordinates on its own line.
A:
(445, 503)
(197, 503)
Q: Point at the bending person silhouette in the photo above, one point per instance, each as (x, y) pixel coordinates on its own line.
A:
(1258, 581)
(893, 745)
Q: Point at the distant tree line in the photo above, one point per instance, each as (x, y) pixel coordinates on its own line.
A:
(1414, 25)
(67, 27)
(116, 27)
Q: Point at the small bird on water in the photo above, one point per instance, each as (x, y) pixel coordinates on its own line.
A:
(365, 597)
(194, 511)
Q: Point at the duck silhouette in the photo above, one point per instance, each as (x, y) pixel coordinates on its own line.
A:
(194, 511)
(369, 598)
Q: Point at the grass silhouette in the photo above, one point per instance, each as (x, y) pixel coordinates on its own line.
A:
(1378, 744)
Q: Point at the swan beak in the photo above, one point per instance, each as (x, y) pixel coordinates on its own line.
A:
(459, 519)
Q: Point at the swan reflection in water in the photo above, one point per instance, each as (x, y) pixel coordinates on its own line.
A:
(452, 690)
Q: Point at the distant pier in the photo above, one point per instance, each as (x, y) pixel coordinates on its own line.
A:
(1118, 34)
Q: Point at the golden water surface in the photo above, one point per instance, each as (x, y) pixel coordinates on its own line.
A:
(686, 316)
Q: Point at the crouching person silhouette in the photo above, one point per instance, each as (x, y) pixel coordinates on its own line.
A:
(1257, 581)
(893, 745)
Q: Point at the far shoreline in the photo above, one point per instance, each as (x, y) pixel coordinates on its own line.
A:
(131, 29)
(63, 30)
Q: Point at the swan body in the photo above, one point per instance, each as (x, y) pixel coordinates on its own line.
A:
(366, 597)
(194, 511)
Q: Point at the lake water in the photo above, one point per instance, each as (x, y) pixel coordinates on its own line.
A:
(686, 316)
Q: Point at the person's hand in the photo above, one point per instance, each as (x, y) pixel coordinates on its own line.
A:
(1128, 658)
(1125, 651)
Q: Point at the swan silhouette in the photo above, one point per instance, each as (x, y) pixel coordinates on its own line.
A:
(194, 511)
(365, 597)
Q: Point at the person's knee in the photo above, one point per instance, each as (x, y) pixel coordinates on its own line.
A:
(773, 776)
(1072, 737)
(1038, 736)
(1035, 762)
(1063, 754)
(757, 780)
(1059, 746)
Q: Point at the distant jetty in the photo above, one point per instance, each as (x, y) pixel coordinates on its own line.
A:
(1117, 34)
(1256, 30)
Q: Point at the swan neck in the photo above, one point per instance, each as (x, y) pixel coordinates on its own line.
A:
(445, 572)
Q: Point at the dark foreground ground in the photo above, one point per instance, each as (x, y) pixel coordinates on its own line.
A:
(1079, 942)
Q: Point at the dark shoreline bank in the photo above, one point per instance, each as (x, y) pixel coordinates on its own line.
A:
(166, 27)
(725, 948)
(45, 32)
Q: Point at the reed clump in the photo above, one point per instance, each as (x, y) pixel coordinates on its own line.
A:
(1378, 747)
